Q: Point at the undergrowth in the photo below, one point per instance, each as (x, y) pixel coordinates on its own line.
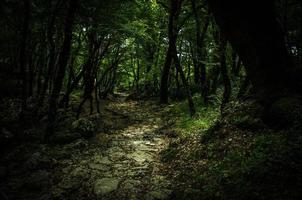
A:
(234, 157)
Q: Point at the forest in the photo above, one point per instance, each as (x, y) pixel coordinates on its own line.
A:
(150, 100)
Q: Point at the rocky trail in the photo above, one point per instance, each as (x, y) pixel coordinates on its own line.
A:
(120, 163)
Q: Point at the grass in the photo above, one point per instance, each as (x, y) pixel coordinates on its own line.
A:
(235, 157)
(186, 125)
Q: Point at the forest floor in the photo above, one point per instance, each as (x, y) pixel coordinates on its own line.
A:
(138, 149)
(122, 162)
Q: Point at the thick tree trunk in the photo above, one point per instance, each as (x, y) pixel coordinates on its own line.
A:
(255, 34)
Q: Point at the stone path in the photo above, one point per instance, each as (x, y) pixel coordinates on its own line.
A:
(129, 168)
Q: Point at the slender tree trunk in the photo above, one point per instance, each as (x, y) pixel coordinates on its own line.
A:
(62, 64)
(184, 81)
(23, 55)
(165, 77)
(51, 60)
(200, 35)
(215, 80)
(236, 65)
(97, 102)
(137, 75)
(175, 7)
(224, 74)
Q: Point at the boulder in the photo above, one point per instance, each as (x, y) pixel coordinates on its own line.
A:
(85, 127)
(104, 186)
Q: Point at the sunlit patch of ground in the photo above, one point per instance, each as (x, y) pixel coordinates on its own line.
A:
(120, 162)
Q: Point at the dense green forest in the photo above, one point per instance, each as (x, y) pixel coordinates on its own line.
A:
(150, 99)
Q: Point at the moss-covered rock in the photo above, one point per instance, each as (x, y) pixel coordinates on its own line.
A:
(85, 127)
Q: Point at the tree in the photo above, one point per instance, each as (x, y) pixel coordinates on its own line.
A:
(259, 41)
(175, 8)
(62, 64)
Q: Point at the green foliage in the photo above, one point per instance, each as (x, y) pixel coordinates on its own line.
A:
(262, 171)
(204, 119)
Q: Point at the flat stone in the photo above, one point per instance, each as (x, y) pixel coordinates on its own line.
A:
(158, 195)
(71, 183)
(131, 184)
(99, 167)
(117, 156)
(140, 156)
(105, 160)
(105, 185)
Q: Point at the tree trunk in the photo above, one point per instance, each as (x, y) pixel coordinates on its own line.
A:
(259, 41)
(200, 67)
(224, 73)
(175, 7)
(62, 64)
(184, 81)
(23, 55)
(51, 59)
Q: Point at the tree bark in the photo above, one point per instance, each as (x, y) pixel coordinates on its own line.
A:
(224, 73)
(23, 55)
(252, 29)
(175, 7)
(200, 67)
(62, 64)
(184, 81)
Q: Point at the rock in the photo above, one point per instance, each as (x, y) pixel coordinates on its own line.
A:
(84, 127)
(140, 156)
(78, 172)
(105, 160)
(71, 183)
(117, 156)
(98, 167)
(64, 137)
(131, 184)
(104, 186)
(38, 180)
(77, 144)
(103, 139)
(158, 195)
